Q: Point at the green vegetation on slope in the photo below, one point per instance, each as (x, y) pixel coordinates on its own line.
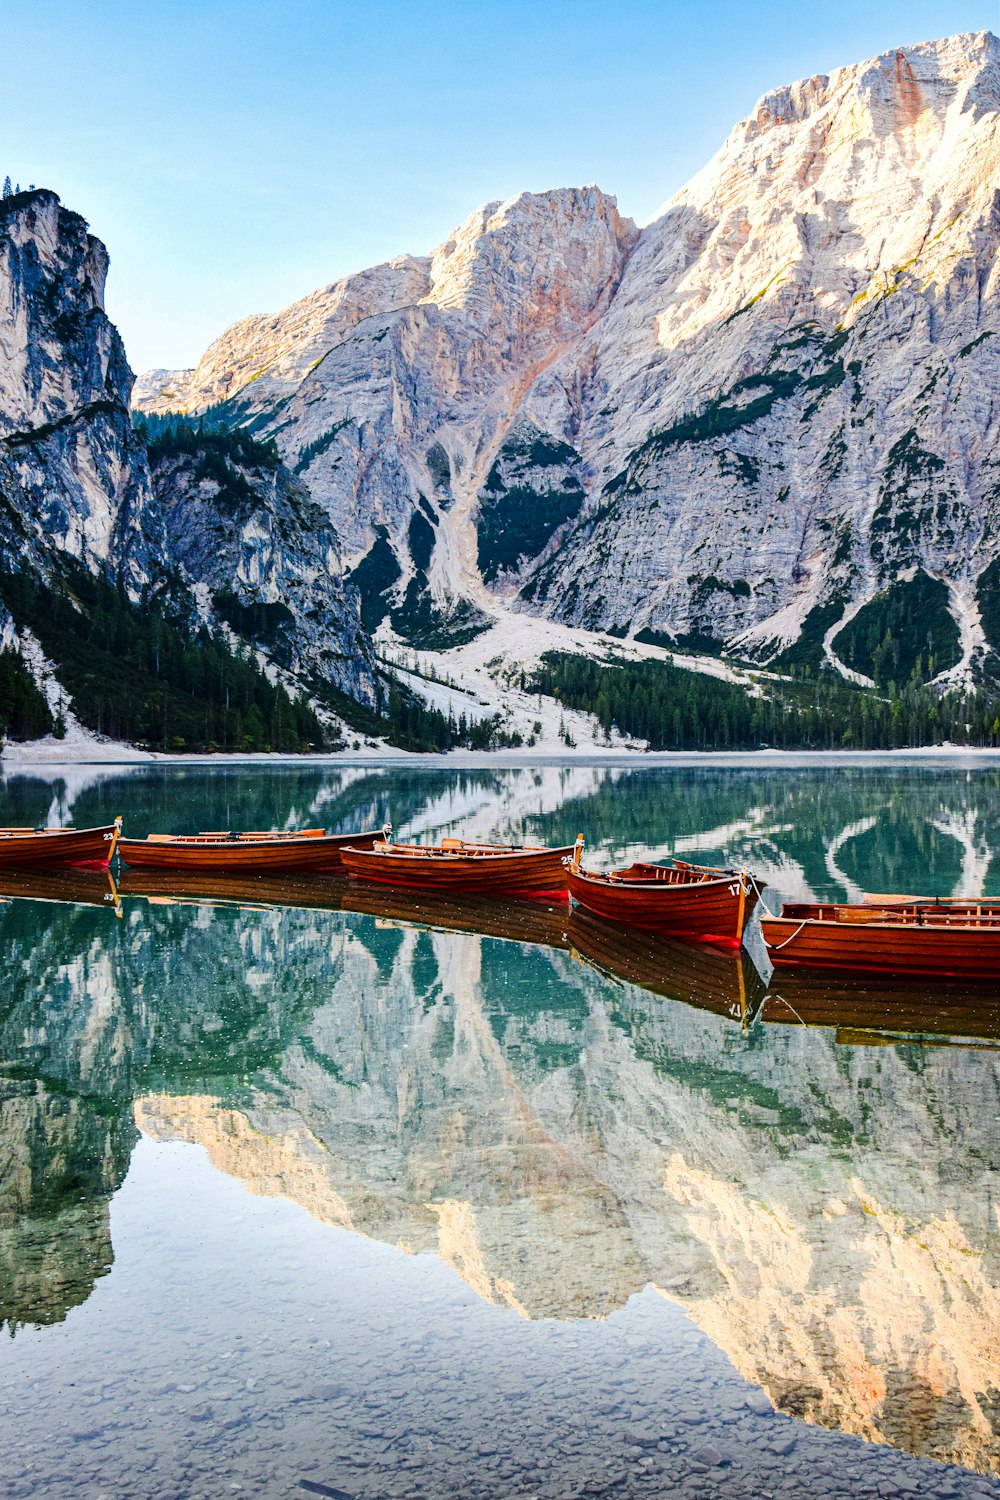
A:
(136, 673)
(675, 709)
(520, 522)
(373, 577)
(988, 599)
(24, 713)
(907, 628)
(173, 435)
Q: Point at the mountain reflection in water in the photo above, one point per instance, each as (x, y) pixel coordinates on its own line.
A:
(563, 1112)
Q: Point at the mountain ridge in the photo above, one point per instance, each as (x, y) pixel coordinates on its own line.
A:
(841, 203)
(108, 609)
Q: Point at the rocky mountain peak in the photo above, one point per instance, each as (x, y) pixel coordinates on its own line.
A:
(70, 467)
(91, 549)
(544, 258)
(779, 395)
(885, 95)
(280, 349)
(60, 350)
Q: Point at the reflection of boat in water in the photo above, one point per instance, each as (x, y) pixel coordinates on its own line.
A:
(520, 922)
(304, 849)
(692, 901)
(884, 1008)
(463, 868)
(217, 887)
(914, 938)
(700, 974)
(75, 886)
(47, 848)
(514, 921)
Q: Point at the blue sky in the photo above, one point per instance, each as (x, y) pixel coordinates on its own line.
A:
(234, 154)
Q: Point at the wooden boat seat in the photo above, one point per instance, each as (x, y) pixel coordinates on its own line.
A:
(659, 874)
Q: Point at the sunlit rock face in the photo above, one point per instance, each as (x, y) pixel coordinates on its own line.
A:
(73, 476)
(561, 1149)
(401, 382)
(794, 387)
(276, 352)
(779, 397)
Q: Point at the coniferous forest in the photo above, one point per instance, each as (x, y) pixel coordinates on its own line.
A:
(135, 673)
(676, 709)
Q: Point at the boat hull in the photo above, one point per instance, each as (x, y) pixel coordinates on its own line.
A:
(87, 848)
(520, 872)
(712, 910)
(960, 951)
(244, 855)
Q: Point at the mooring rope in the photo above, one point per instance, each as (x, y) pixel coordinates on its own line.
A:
(760, 895)
(778, 946)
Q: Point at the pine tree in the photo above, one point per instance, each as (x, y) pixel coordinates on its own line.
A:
(8, 191)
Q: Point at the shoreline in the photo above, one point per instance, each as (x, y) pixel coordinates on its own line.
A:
(46, 755)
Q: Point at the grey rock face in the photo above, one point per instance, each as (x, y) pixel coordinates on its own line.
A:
(73, 475)
(792, 396)
(405, 382)
(260, 556)
(75, 479)
(780, 397)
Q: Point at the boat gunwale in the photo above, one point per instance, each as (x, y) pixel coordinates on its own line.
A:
(69, 833)
(474, 852)
(201, 841)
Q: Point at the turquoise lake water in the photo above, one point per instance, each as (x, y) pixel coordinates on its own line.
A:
(309, 1188)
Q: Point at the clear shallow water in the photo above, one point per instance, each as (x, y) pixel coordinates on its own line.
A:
(347, 1195)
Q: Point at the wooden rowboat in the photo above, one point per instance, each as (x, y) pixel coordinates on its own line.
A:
(691, 901)
(302, 849)
(43, 848)
(955, 938)
(463, 868)
(982, 904)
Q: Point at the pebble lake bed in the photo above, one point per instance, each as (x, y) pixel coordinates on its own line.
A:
(320, 1201)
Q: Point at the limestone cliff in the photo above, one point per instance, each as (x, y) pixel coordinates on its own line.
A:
(77, 501)
(392, 391)
(792, 401)
(73, 476)
(746, 422)
(260, 557)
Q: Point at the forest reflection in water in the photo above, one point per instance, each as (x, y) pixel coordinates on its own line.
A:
(561, 1112)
